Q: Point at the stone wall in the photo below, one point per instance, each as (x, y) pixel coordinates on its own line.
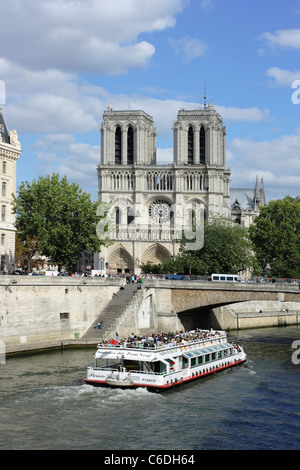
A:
(38, 310)
(227, 306)
(257, 314)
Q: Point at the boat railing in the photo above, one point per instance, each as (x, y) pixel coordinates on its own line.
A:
(155, 347)
(132, 371)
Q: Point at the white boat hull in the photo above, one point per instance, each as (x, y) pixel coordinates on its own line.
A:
(100, 377)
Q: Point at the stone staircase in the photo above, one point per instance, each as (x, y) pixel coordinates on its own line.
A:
(111, 314)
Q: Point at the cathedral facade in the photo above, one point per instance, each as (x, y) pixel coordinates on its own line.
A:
(152, 205)
(10, 150)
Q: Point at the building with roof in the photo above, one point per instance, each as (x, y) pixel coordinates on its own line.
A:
(245, 203)
(10, 150)
(151, 205)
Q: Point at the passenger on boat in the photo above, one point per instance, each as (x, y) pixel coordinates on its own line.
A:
(166, 339)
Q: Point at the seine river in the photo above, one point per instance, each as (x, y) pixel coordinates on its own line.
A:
(45, 405)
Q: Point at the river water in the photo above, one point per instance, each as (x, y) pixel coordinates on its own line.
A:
(45, 405)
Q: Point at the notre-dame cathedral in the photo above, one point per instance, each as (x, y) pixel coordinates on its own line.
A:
(152, 204)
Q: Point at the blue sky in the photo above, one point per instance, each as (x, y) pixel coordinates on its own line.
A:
(64, 61)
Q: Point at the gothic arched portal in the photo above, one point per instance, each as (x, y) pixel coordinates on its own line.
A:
(120, 261)
(155, 254)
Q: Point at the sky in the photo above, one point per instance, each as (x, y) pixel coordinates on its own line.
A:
(62, 62)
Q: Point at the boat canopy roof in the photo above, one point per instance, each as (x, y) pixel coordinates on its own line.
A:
(210, 349)
(157, 355)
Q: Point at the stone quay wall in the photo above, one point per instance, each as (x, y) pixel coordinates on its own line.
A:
(41, 311)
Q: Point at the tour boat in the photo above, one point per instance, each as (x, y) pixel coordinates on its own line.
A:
(159, 366)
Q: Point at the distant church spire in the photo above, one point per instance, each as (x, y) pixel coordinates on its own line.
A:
(259, 194)
(262, 193)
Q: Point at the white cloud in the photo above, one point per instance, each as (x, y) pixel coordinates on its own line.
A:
(252, 114)
(289, 38)
(60, 153)
(189, 48)
(48, 113)
(164, 156)
(207, 4)
(89, 36)
(282, 76)
(277, 161)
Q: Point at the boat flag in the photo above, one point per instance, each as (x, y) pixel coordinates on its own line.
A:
(115, 340)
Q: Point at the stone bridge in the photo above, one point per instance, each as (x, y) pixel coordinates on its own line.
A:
(41, 312)
(225, 305)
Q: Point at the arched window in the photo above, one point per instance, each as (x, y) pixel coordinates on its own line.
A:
(117, 217)
(192, 219)
(202, 145)
(130, 146)
(191, 146)
(3, 213)
(118, 146)
(130, 216)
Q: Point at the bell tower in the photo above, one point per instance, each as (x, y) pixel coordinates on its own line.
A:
(127, 138)
(199, 155)
(199, 137)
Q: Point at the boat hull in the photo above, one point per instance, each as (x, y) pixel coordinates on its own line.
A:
(170, 384)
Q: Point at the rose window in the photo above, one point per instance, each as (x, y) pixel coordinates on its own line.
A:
(160, 212)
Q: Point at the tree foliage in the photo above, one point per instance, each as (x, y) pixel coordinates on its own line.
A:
(276, 237)
(227, 249)
(60, 216)
(26, 249)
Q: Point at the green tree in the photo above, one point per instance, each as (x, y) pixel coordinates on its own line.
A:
(60, 216)
(276, 237)
(227, 249)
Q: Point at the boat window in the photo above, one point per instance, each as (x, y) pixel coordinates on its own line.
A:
(220, 354)
(159, 366)
(185, 362)
(207, 357)
(193, 362)
(200, 360)
(132, 365)
(213, 356)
